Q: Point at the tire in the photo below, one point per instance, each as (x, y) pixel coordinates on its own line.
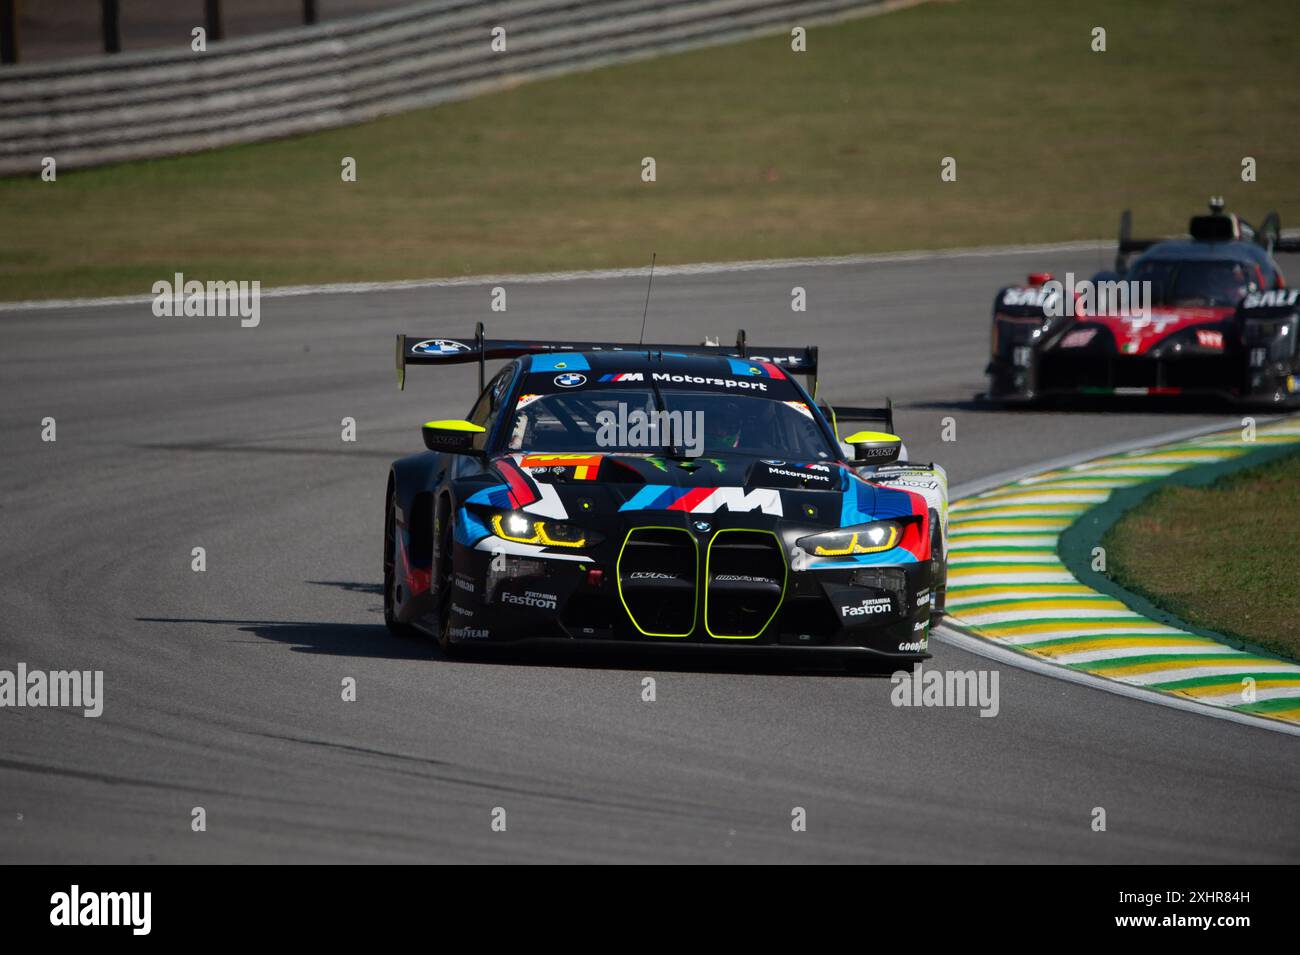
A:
(395, 627)
(443, 585)
(938, 572)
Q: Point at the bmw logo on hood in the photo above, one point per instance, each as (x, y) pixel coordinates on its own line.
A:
(570, 379)
(703, 526)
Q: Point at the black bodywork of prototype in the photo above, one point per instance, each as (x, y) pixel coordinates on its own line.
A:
(518, 524)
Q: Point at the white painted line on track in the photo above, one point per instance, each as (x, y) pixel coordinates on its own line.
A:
(1010, 657)
(542, 278)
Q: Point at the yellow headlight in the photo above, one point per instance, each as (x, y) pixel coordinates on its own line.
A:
(523, 530)
(871, 540)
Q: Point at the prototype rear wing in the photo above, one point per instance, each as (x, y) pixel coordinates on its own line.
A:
(1218, 226)
(433, 350)
(1128, 244)
(1270, 236)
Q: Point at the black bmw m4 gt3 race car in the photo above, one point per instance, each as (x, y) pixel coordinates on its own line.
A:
(660, 494)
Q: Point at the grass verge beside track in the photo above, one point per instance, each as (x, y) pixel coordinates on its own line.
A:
(1236, 568)
(761, 153)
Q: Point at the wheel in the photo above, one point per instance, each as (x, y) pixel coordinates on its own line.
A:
(443, 585)
(391, 583)
(938, 571)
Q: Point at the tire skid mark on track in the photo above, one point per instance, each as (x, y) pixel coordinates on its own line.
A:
(1007, 584)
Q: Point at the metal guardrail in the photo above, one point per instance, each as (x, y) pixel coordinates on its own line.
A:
(161, 103)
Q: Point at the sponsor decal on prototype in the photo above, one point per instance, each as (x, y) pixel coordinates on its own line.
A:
(1209, 338)
(1025, 296)
(1078, 338)
(1273, 298)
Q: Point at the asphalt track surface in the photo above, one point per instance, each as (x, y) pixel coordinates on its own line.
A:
(223, 688)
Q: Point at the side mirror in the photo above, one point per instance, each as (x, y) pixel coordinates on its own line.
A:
(453, 437)
(874, 448)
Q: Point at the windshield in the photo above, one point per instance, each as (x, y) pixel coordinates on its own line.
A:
(606, 420)
(1193, 283)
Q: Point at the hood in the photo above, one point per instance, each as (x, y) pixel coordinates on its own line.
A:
(813, 492)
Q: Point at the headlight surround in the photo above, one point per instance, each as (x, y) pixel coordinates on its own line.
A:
(860, 539)
(522, 528)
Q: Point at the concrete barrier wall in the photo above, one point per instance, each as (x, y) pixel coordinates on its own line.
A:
(166, 102)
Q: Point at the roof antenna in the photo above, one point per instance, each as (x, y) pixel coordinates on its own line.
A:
(646, 310)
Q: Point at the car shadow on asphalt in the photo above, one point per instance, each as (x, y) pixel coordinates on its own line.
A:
(372, 640)
(331, 639)
(351, 586)
(666, 659)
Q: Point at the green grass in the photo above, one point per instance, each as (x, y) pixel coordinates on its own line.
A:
(761, 153)
(1235, 567)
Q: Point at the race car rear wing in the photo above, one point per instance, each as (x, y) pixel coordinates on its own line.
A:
(1270, 236)
(432, 350)
(1218, 226)
(883, 415)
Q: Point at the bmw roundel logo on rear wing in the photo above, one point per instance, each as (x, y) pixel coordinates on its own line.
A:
(439, 347)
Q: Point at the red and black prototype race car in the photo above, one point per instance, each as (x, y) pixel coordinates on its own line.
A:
(1209, 315)
(555, 512)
